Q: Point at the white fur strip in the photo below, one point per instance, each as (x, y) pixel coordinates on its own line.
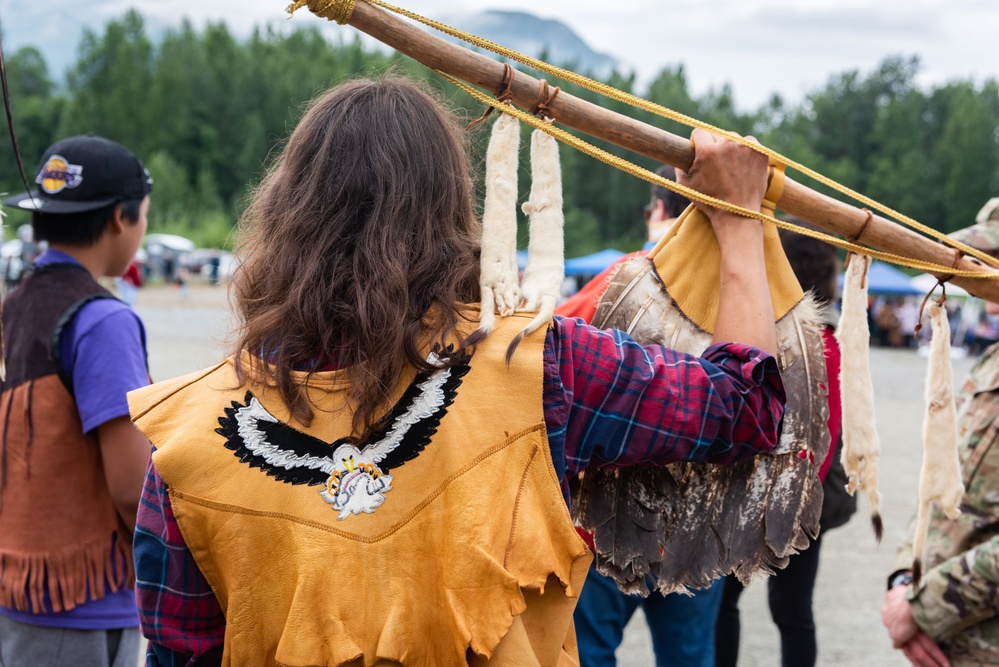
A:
(499, 280)
(546, 254)
(861, 446)
(940, 477)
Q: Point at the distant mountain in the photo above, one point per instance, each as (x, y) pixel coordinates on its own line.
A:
(57, 34)
(54, 33)
(535, 36)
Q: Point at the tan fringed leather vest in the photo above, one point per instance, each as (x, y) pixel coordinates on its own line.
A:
(60, 534)
(444, 540)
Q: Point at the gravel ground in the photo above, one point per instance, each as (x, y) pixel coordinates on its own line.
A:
(186, 334)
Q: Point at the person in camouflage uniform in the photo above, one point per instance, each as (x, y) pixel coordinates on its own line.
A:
(952, 618)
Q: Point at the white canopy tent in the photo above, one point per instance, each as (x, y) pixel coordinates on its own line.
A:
(926, 282)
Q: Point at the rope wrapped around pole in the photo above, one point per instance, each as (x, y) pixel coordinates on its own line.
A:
(331, 10)
(829, 214)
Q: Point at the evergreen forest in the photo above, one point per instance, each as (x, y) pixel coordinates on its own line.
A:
(206, 111)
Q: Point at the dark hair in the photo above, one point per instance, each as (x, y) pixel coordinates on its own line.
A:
(674, 202)
(814, 262)
(81, 229)
(360, 246)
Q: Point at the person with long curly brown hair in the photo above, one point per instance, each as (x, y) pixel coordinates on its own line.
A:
(366, 480)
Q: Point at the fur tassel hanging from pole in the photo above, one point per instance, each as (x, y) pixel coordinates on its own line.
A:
(499, 280)
(940, 476)
(546, 255)
(861, 446)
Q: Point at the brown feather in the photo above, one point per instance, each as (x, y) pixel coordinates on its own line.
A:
(628, 509)
(745, 518)
(693, 549)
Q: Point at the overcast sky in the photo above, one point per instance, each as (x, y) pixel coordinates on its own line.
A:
(759, 46)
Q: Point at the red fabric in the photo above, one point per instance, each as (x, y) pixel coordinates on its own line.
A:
(132, 275)
(833, 362)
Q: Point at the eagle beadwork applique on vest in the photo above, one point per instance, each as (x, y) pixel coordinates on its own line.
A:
(355, 477)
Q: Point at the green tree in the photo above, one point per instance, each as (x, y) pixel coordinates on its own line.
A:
(28, 74)
(172, 197)
(900, 172)
(35, 110)
(966, 152)
(110, 84)
(840, 119)
(208, 112)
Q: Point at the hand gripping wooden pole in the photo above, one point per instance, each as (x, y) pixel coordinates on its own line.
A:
(822, 211)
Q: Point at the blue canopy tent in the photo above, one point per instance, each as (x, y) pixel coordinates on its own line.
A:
(591, 265)
(521, 259)
(587, 265)
(883, 279)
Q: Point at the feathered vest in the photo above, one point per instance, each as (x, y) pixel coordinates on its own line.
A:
(443, 539)
(60, 534)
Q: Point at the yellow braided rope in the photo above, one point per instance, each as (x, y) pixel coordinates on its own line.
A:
(340, 10)
(659, 110)
(694, 195)
(331, 10)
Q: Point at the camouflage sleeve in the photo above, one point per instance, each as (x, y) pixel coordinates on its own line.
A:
(961, 584)
(903, 555)
(960, 592)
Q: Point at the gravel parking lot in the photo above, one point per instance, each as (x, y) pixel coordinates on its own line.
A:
(186, 334)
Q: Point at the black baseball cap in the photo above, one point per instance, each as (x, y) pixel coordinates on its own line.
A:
(85, 173)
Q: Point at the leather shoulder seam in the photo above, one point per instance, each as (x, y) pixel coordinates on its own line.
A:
(194, 378)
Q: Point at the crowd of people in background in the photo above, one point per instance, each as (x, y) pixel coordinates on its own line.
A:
(894, 320)
(154, 264)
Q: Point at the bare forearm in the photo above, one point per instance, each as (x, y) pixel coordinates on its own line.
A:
(127, 509)
(738, 175)
(745, 310)
(124, 452)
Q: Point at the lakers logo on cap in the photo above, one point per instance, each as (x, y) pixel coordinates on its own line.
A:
(58, 174)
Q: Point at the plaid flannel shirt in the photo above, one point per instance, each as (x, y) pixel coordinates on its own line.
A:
(608, 401)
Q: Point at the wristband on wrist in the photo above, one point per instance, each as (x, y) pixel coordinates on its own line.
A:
(903, 578)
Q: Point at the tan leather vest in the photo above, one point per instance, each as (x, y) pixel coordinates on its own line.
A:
(444, 541)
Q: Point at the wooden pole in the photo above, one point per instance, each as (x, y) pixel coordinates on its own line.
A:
(824, 212)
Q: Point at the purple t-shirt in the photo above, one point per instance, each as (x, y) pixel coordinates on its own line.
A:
(103, 349)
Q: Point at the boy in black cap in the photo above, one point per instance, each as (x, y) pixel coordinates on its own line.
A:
(71, 463)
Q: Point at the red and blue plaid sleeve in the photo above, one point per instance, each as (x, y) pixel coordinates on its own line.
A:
(612, 402)
(178, 611)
